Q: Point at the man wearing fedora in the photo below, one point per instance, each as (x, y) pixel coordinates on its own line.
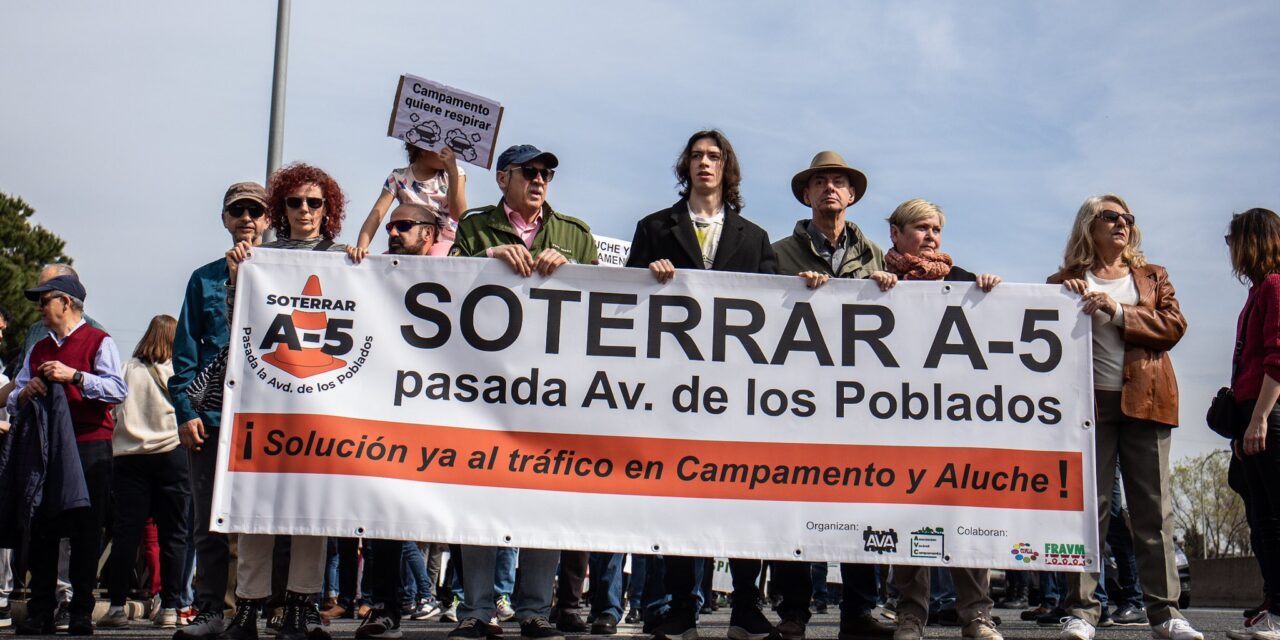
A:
(705, 230)
(824, 246)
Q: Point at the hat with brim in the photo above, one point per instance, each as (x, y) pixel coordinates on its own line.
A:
(524, 154)
(251, 191)
(69, 285)
(829, 161)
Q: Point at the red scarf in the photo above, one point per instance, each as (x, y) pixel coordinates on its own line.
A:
(930, 266)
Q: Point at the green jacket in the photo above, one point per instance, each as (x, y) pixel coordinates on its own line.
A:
(489, 227)
(796, 253)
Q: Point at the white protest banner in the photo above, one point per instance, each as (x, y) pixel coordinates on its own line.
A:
(721, 414)
(612, 252)
(433, 116)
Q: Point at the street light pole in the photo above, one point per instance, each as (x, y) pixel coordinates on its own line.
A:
(275, 143)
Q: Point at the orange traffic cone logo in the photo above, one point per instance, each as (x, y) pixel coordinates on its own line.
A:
(306, 361)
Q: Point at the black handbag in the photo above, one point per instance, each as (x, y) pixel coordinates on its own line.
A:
(1223, 417)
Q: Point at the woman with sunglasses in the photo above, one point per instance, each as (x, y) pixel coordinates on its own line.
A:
(307, 208)
(432, 179)
(1254, 242)
(1136, 321)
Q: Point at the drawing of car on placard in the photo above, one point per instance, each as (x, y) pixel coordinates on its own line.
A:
(462, 145)
(427, 133)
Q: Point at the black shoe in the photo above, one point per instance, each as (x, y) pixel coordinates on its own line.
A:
(633, 616)
(35, 626)
(539, 628)
(819, 607)
(569, 621)
(81, 624)
(244, 624)
(749, 623)
(380, 623)
(205, 626)
(472, 629)
(1031, 615)
(1053, 618)
(302, 619)
(1253, 611)
(1130, 616)
(674, 625)
(604, 625)
(1015, 602)
(62, 618)
(948, 618)
(862, 627)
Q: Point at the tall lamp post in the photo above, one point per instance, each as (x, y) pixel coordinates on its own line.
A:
(275, 136)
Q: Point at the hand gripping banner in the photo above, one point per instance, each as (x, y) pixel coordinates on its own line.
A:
(727, 415)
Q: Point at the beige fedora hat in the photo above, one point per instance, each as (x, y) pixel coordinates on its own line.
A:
(829, 161)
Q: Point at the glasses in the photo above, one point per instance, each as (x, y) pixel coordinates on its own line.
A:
(530, 173)
(1112, 217)
(296, 203)
(45, 300)
(403, 226)
(237, 210)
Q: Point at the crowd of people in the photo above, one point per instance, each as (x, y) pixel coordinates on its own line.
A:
(125, 451)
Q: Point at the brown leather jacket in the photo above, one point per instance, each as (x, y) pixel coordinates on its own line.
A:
(1151, 328)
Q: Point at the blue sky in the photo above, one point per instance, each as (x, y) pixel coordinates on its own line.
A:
(122, 123)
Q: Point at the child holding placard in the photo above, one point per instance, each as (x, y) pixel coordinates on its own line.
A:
(433, 179)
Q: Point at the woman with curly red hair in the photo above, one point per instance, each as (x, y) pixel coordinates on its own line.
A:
(307, 207)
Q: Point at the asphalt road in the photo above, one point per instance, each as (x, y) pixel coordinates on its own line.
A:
(1212, 622)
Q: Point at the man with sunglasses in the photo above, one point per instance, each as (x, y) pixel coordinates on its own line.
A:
(86, 362)
(523, 231)
(411, 230)
(201, 333)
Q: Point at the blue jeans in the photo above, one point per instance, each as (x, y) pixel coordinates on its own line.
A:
(682, 584)
(532, 593)
(942, 590)
(606, 584)
(861, 589)
(1052, 589)
(504, 572)
(818, 574)
(413, 572)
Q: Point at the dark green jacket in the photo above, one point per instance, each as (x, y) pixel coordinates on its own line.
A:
(796, 253)
(488, 227)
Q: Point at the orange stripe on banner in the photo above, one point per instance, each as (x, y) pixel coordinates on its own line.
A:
(964, 476)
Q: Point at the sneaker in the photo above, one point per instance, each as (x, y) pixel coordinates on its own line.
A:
(1262, 626)
(6, 617)
(539, 628)
(1251, 612)
(502, 609)
(981, 628)
(604, 625)
(302, 619)
(451, 613)
(243, 625)
(1054, 618)
(909, 628)
(862, 627)
(748, 623)
(675, 625)
(206, 625)
(1105, 620)
(379, 624)
(62, 617)
(276, 621)
(1074, 628)
(81, 624)
(115, 618)
(427, 609)
(1176, 629)
(186, 615)
(634, 616)
(472, 628)
(1130, 616)
(153, 607)
(570, 621)
(34, 627)
(168, 619)
(791, 630)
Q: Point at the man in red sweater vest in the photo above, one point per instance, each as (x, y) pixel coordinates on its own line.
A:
(85, 360)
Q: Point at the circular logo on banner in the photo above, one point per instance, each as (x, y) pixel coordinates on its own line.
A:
(1023, 552)
(310, 345)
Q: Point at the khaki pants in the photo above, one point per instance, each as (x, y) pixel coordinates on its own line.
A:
(972, 586)
(1143, 450)
(253, 565)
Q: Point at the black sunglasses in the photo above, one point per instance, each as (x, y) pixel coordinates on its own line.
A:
(296, 203)
(254, 211)
(1112, 216)
(403, 226)
(46, 300)
(530, 173)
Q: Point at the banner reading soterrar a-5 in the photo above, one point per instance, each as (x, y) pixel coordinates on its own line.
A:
(727, 415)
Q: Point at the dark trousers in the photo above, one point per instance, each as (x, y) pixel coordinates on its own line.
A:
(1262, 472)
(382, 577)
(573, 575)
(213, 550)
(861, 589)
(682, 580)
(150, 486)
(790, 579)
(84, 529)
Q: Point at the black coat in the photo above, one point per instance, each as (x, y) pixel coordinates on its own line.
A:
(668, 234)
(40, 468)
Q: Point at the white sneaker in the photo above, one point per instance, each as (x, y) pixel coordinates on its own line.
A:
(1074, 628)
(1175, 629)
(168, 619)
(1262, 626)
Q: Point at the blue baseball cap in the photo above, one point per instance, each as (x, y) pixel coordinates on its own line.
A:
(525, 153)
(69, 285)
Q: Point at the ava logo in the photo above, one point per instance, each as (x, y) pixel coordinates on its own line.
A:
(1023, 552)
(1066, 555)
(880, 541)
(312, 338)
(929, 542)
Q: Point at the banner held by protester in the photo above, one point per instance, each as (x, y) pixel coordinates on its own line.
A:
(432, 116)
(718, 415)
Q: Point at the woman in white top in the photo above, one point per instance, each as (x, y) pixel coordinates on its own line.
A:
(150, 476)
(1136, 321)
(433, 179)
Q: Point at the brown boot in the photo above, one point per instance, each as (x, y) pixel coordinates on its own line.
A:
(332, 609)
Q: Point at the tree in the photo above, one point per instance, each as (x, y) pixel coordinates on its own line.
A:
(1206, 512)
(24, 248)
